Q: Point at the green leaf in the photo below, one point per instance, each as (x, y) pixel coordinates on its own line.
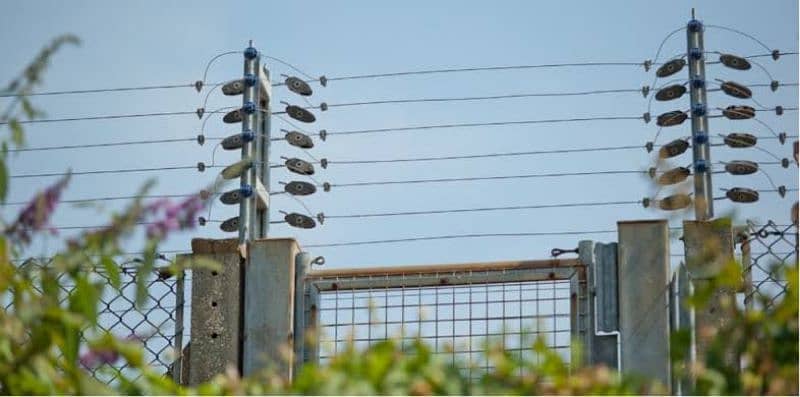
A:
(71, 344)
(50, 285)
(3, 181)
(17, 133)
(112, 271)
(27, 108)
(84, 298)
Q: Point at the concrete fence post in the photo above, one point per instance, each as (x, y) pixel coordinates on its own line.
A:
(215, 318)
(243, 313)
(269, 299)
(644, 267)
(709, 247)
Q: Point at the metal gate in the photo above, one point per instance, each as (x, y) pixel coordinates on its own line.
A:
(455, 309)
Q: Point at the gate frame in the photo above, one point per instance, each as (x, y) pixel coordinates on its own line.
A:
(316, 281)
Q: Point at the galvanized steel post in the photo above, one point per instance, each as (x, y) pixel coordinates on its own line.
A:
(701, 153)
(262, 150)
(249, 114)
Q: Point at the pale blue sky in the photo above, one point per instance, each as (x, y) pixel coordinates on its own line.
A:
(154, 42)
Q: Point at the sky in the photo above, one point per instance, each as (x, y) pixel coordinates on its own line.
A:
(129, 44)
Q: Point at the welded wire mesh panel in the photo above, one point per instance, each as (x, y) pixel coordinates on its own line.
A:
(456, 320)
(153, 324)
(768, 245)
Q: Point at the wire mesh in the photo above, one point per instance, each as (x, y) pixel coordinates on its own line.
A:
(455, 317)
(768, 245)
(155, 324)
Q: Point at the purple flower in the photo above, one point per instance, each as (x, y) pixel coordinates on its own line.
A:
(35, 216)
(180, 216)
(97, 357)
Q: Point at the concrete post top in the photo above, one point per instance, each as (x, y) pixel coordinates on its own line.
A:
(210, 246)
(214, 246)
(642, 221)
(277, 240)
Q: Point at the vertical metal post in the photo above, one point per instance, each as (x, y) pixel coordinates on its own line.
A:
(249, 113)
(177, 343)
(701, 153)
(302, 265)
(262, 145)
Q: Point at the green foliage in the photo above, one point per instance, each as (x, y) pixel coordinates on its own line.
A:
(756, 351)
(45, 329)
(21, 87)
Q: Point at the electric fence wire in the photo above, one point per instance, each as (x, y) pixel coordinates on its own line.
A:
(106, 198)
(363, 161)
(367, 76)
(111, 171)
(482, 124)
(485, 178)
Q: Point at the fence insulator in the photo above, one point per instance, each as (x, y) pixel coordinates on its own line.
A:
(672, 149)
(299, 139)
(230, 225)
(671, 92)
(200, 112)
(299, 166)
(235, 196)
(739, 112)
(235, 87)
(671, 67)
(742, 195)
(298, 86)
(741, 167)
(673, 176)
(669, 119)
(734, 62)
(300, 221)
(236, 169)
(232, 117)
(675, 202)
(234, 142)
(740, 140)
(300, 188)
(736, 90)
(300, 114)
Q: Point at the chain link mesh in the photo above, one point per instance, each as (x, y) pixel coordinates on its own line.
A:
(153, 324)
(767, 245)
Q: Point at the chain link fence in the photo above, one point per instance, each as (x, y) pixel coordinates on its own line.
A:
(763, 246)
(157, 324)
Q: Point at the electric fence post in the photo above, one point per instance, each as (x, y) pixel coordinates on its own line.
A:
(249, 116)
(701, 153)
